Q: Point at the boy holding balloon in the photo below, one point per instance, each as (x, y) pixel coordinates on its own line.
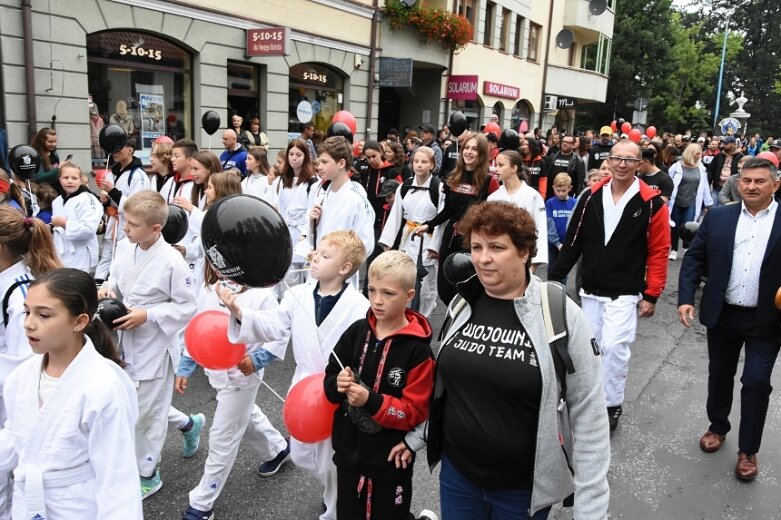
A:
(315, 317)
(382, 375)
(155, 284)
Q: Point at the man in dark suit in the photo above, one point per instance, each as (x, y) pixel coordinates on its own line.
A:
(738, 248)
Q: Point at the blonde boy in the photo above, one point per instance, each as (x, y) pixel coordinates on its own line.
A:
(559, 210)
(384, 387)
(155, 283)
(315, 316)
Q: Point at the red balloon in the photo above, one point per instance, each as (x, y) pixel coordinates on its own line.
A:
(650, 131)
(626, 127)
(206, 337)
(635, 135)
(308, 414)
(343, 116)
(492, 128)
(614, 125)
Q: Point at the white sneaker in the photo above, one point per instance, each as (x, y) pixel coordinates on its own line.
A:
(673, 255)
(428, 514)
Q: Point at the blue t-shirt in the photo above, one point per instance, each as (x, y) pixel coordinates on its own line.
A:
(235, 159)
(559, 211)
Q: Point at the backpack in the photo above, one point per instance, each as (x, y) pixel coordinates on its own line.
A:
(7, 297)
(433, 189)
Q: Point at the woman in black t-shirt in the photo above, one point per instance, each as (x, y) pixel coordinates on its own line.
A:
(469, 183)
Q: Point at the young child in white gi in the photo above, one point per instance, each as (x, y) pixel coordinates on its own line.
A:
(256, 182)
(71, 411)
(75, 219)
(128, 177)
(316, 316)
(237, 416)
(155, 283)
(414, 205)
(19, 236)
(341, 204)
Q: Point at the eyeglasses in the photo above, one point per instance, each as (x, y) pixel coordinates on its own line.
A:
(630, 161)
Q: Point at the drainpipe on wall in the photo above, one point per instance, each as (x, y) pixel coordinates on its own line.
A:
(29, 66)
(545, 64)
(372, 69)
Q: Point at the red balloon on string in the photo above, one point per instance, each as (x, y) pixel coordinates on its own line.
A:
(308, 415)
(614, 126)
(206, 337)
(492, 128)
(343, 116)
(626, 127)
(635, 135)
(650, 131)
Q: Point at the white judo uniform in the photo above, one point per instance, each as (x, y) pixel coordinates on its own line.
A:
(129, 182)
(312, 346)
(72, 455)
(405, 215)
(529, 199)
(14, 350)
(159, 281)
(77, 243)
(237, 416)
(293, 203)
(256, 184)
(192, 240)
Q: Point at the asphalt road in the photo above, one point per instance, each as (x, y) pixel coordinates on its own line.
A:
(657, 469)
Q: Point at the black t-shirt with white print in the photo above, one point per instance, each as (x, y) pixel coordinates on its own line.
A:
(492, 389)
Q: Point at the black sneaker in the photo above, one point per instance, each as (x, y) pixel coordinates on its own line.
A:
(197, 514)
(271, 467)
(613, 413)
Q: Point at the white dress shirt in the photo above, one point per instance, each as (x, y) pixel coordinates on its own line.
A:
(751, 237)
(614, 210)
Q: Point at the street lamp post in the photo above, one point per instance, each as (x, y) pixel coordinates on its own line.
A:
(723, 56)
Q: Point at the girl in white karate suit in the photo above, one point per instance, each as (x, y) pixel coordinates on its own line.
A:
(26, 250)
(412, 207)
(75, 219)
(256, 182)
(71, 411)
(294, 189)
(315, 322)
(237, 416)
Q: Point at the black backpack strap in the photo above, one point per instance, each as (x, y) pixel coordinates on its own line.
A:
(457, 304)
(554, 309)
(7, 297)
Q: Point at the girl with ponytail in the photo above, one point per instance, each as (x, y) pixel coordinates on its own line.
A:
(11, 194)
(76, 393)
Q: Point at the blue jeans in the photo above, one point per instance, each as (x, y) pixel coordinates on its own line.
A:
(680, 216)
(460, 499)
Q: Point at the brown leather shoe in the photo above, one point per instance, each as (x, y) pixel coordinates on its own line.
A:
(711, 442)
(746, 469)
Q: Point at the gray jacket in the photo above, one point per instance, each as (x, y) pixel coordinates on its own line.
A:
(729, 192)
(582, 421)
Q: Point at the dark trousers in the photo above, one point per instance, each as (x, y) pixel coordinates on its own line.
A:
(736, 327)
(377, 251)
(451, 243)
(390, 499)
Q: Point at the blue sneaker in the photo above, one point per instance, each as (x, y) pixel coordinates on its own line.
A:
(150, 486)
(271, 467)
(192, 437)
(195, 514)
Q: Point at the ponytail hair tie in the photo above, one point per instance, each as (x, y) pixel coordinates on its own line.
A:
(28, 222)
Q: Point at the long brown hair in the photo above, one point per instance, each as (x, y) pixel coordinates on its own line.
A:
(212, 163)
(516, 160)
(14, 191)
(307, 170)
(39, 143)
(29, 239)
(225, 183)
(481, 168)
(260, 156)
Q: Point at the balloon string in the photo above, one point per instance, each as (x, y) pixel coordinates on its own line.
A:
(272, 391)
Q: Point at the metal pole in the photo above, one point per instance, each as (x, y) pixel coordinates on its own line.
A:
(721, 72)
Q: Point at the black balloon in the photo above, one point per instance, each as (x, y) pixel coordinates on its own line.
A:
(342, 129)
(110, 309)
(458, 267)
(210, 121)
(509, 140)
(688, 230)
(112, 138)
(247, 241)
(458, 123)
(24, 161)
(176, 225)
(620, 122)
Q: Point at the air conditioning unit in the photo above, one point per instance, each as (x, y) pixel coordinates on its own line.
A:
(550, 103)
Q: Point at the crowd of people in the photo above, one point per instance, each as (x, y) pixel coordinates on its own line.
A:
(520, 400)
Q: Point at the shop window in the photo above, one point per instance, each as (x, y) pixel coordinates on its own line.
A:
(468, 10)
(520, 23)
(504, 31)
(498, 111)
(243, 91)
(521, 116)
(534, 41)
(141, 82)
(316, 94)
(473, 110)
(488, 28)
